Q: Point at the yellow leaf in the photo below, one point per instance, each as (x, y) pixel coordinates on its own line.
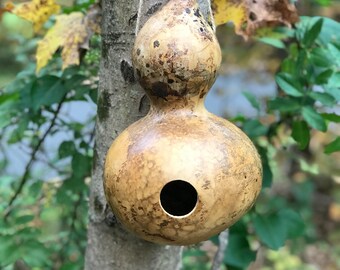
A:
(37, 11)
(229, 11)
(249, 15)
(69, 32)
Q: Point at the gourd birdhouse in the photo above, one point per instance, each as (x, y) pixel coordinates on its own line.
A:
(180, 174)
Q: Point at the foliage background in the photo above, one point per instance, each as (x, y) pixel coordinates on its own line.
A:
(46, 139)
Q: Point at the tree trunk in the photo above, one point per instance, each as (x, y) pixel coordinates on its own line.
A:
(120, 103)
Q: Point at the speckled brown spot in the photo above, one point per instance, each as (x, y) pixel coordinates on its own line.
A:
(156, 44)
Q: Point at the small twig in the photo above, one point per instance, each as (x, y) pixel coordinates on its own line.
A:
(223, 243)
(24, 178)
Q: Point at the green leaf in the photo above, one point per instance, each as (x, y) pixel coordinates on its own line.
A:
(323, 77)
(320, 57)
(284, 104)
(326, 35)
(214, 239)
(313, 118)
(334, 53)
(267, 172)
(5, 118)
(300, 133)
(240, 227)
(35, 188)
(35, 253)
(293, 223)
(325, 98)
(81, 165)
(270, 229)
(331, 117)
(324, 2)
(46, 91)
(94, 95)
(332, 147)
(288, 84)
(254, 128)
(18, 133)
(333, 86)
(238, 252)
(23, 219)
(66, 149)
(275, 228)
(312, 33)
(8, 107)
(288, 65)
(9, 252)
(252, 100)
(70, 266)
(277, 43)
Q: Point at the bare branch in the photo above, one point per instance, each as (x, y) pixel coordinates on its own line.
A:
(223, 243)
(24, 178)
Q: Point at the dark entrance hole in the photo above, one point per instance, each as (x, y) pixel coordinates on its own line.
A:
(178, 198)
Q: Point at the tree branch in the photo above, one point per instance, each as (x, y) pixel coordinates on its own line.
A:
(223, 243)
(24, 178)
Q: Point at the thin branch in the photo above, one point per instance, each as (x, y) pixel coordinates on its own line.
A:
(24, 178)
(223, 243)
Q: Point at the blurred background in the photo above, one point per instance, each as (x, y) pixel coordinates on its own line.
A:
(48, 147)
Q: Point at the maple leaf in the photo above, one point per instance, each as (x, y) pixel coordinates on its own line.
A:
(249, 15)
(71, 32)
(36, 11)
(68, 32)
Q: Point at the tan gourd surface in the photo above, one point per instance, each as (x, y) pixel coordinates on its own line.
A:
(176, 56)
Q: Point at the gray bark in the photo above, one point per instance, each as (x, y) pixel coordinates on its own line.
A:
(120, 103)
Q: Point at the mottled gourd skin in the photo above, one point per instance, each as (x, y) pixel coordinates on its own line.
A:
(179, 139)
(176, 53)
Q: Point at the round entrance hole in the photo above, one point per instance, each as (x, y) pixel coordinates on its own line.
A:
(178, 198)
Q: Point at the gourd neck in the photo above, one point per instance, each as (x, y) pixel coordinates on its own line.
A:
(185, 104)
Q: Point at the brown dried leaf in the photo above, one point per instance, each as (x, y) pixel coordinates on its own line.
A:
(249, 15)
(269, 13)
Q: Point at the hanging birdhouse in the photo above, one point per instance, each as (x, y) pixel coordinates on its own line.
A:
(180, 174)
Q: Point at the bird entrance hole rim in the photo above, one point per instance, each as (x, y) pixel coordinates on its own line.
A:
(179, 185)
